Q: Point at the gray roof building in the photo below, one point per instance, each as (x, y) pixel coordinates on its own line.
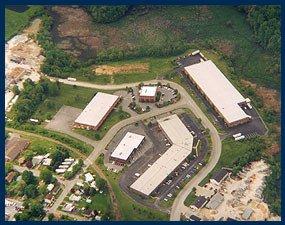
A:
(215, 201)
(247, 213)
(200, 202)
(220, 175)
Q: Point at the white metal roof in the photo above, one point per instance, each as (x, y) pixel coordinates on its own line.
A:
(148, 91)
(96, 109)
(127, 145)
(176, 131)
(218, 89)
(173, 157)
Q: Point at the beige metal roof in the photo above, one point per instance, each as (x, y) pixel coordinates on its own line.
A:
(218, 89)
(173, 157)
(96, 109)
(148, 91)
(176, 131)
(128, 144)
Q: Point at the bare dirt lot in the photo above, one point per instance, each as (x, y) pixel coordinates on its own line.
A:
(126, 68)
(34, 27)
(240, 193)
(269, 97)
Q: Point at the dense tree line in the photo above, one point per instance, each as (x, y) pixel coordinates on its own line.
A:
(272, 190)
(107, 14)
(254, 153)
(32, 96)
(80, 145)
(265, 21)
(28, 187)
(57, 62)
(165, 49)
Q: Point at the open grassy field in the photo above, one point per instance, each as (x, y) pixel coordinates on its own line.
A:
(231, 151)
(69, 95)
(16, 21)
(114, 117)
(130, 210)
(219, 28)
(190, 199)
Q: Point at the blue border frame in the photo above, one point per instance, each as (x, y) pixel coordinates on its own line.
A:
(122, 2)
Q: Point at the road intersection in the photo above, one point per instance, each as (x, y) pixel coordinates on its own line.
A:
(187, 102)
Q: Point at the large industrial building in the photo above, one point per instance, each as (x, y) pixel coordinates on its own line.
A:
(147, 93)
(96, 111)
(219, 92)
(182, 142)
(126, 148)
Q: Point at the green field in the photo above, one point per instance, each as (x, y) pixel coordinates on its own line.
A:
(100, 202)
(219, 28)
(130, 210)
(39, 146)
(115, 117)
(231, 151)
(190, 200)
(74, 96)
(16, 22)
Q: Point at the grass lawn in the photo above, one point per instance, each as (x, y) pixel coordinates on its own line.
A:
(190, 200)
(157, 67)
(221, 28)
(100, 202)
(115, 117)
(130, 210)
(231, 151)
(39, 146)
(77, 97)
(16, 22)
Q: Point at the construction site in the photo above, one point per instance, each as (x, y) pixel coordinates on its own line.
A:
(240, 197)
(23, 60)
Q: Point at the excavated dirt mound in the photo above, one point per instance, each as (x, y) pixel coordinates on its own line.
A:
(270, 97)
(127, 68)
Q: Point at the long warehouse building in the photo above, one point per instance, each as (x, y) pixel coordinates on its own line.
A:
(182, 143)
(219, 92)
(96, 111)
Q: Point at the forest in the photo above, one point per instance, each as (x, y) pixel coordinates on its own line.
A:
(265, 21)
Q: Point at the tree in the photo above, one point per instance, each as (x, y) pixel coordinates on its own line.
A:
(46, 175)
(29, 177)
(31, 191)
(36, 209)
(16, 90)
(24, 216)
(8, 168)
(101, 184)
(107, 14)
(51, 217)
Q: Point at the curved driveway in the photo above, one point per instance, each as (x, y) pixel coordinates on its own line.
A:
(186, 101)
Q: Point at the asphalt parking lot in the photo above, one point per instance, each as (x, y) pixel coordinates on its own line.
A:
(160, 145)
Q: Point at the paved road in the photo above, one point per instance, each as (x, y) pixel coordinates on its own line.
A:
(61, 197)
(186, 101)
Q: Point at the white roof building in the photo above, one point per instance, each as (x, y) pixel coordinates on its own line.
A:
(182, 141)
(50, 187)
(47, 162)
(128, 144)
(88, 177)
(97, 109)
(74, 198)
(148, 91)
(219, 90)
